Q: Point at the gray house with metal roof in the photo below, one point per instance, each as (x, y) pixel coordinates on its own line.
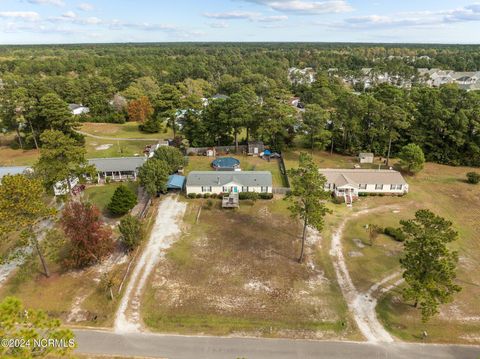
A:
(229, 181)
(117, 169)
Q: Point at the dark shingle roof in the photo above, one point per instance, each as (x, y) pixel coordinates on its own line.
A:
(123, 164)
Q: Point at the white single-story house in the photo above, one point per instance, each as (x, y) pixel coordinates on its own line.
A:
(366, 157)
(117, 169)
(229, 181)
(352, 182)
(77, 109)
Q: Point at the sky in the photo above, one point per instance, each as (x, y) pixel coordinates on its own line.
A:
(101, 21)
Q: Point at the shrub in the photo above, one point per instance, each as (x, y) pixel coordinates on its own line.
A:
(207, 195)
(396, 233)
(266, 195)
(253, 196)
(338, 200)
(123, 200)
(132, 232)
(473, 177)
(191, 195)
(209, 204)
(199, 195)
(213, 195)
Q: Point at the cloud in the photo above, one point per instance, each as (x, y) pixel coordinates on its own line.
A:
(273, 18)
(232, 15)
(20, 15)
(48, 2)
(85, 6)
(302, 7)
(69, 15)
(219, 25)
(413, 19)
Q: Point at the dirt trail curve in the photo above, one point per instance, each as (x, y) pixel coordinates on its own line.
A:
(165, 231)
(116, 139)
(362, 305)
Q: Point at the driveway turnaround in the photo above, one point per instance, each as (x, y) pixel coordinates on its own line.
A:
(203, 347)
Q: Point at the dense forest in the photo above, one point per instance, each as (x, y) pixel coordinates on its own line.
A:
(162, 85)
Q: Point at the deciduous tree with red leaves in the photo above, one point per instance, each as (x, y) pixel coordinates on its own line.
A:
(140, 110)
(90, 239)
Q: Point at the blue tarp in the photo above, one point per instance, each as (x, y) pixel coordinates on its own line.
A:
(267, 153)
(175, 182)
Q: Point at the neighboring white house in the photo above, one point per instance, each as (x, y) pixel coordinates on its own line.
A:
(117, 169)
(229, 182)
(352, 182)
(366, 157)
(301, 76)
(78, 110)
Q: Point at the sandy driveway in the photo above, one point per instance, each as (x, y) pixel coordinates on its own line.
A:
(362, 305)
(164, 232)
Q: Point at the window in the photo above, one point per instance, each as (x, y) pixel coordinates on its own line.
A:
(264, 189)
(224, 189)
(362, 186)
(206, 189)
(396, 187)
(245, 189)
(379, 186)
(328, 186)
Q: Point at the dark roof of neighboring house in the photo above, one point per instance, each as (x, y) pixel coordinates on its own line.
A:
(120, 164)
(16, 170)
(246, 178)
(226, 162)
(342, 177)
(175, 182)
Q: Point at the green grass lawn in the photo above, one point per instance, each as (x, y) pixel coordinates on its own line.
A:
(105, 148)
(325, 160)
(100, 195)
(247, 163)
(125, 130)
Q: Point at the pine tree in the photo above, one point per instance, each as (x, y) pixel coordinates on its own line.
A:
(123, 200)
(429, 266)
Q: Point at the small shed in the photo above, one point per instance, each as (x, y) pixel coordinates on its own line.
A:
(226, 164)
(255, 148)
(366, 157)
(175, 182)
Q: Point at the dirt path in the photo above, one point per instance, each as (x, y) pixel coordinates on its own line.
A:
(165, 230)
(115, 138)
(362, 305)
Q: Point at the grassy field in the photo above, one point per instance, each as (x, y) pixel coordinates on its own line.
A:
(63, 291)
(443, 190)
(126, 130)
(100, 195)
(325, 159)
(247, 163)
(11, 157)
(235, 272)
(106, 148)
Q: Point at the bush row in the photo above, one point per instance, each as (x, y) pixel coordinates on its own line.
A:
(242, 196)
(396, 233)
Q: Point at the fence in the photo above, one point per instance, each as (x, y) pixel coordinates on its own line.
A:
(283, 170)
(280, 190)
(219, 149)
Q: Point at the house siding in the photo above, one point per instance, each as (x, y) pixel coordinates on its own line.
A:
(220, 189)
